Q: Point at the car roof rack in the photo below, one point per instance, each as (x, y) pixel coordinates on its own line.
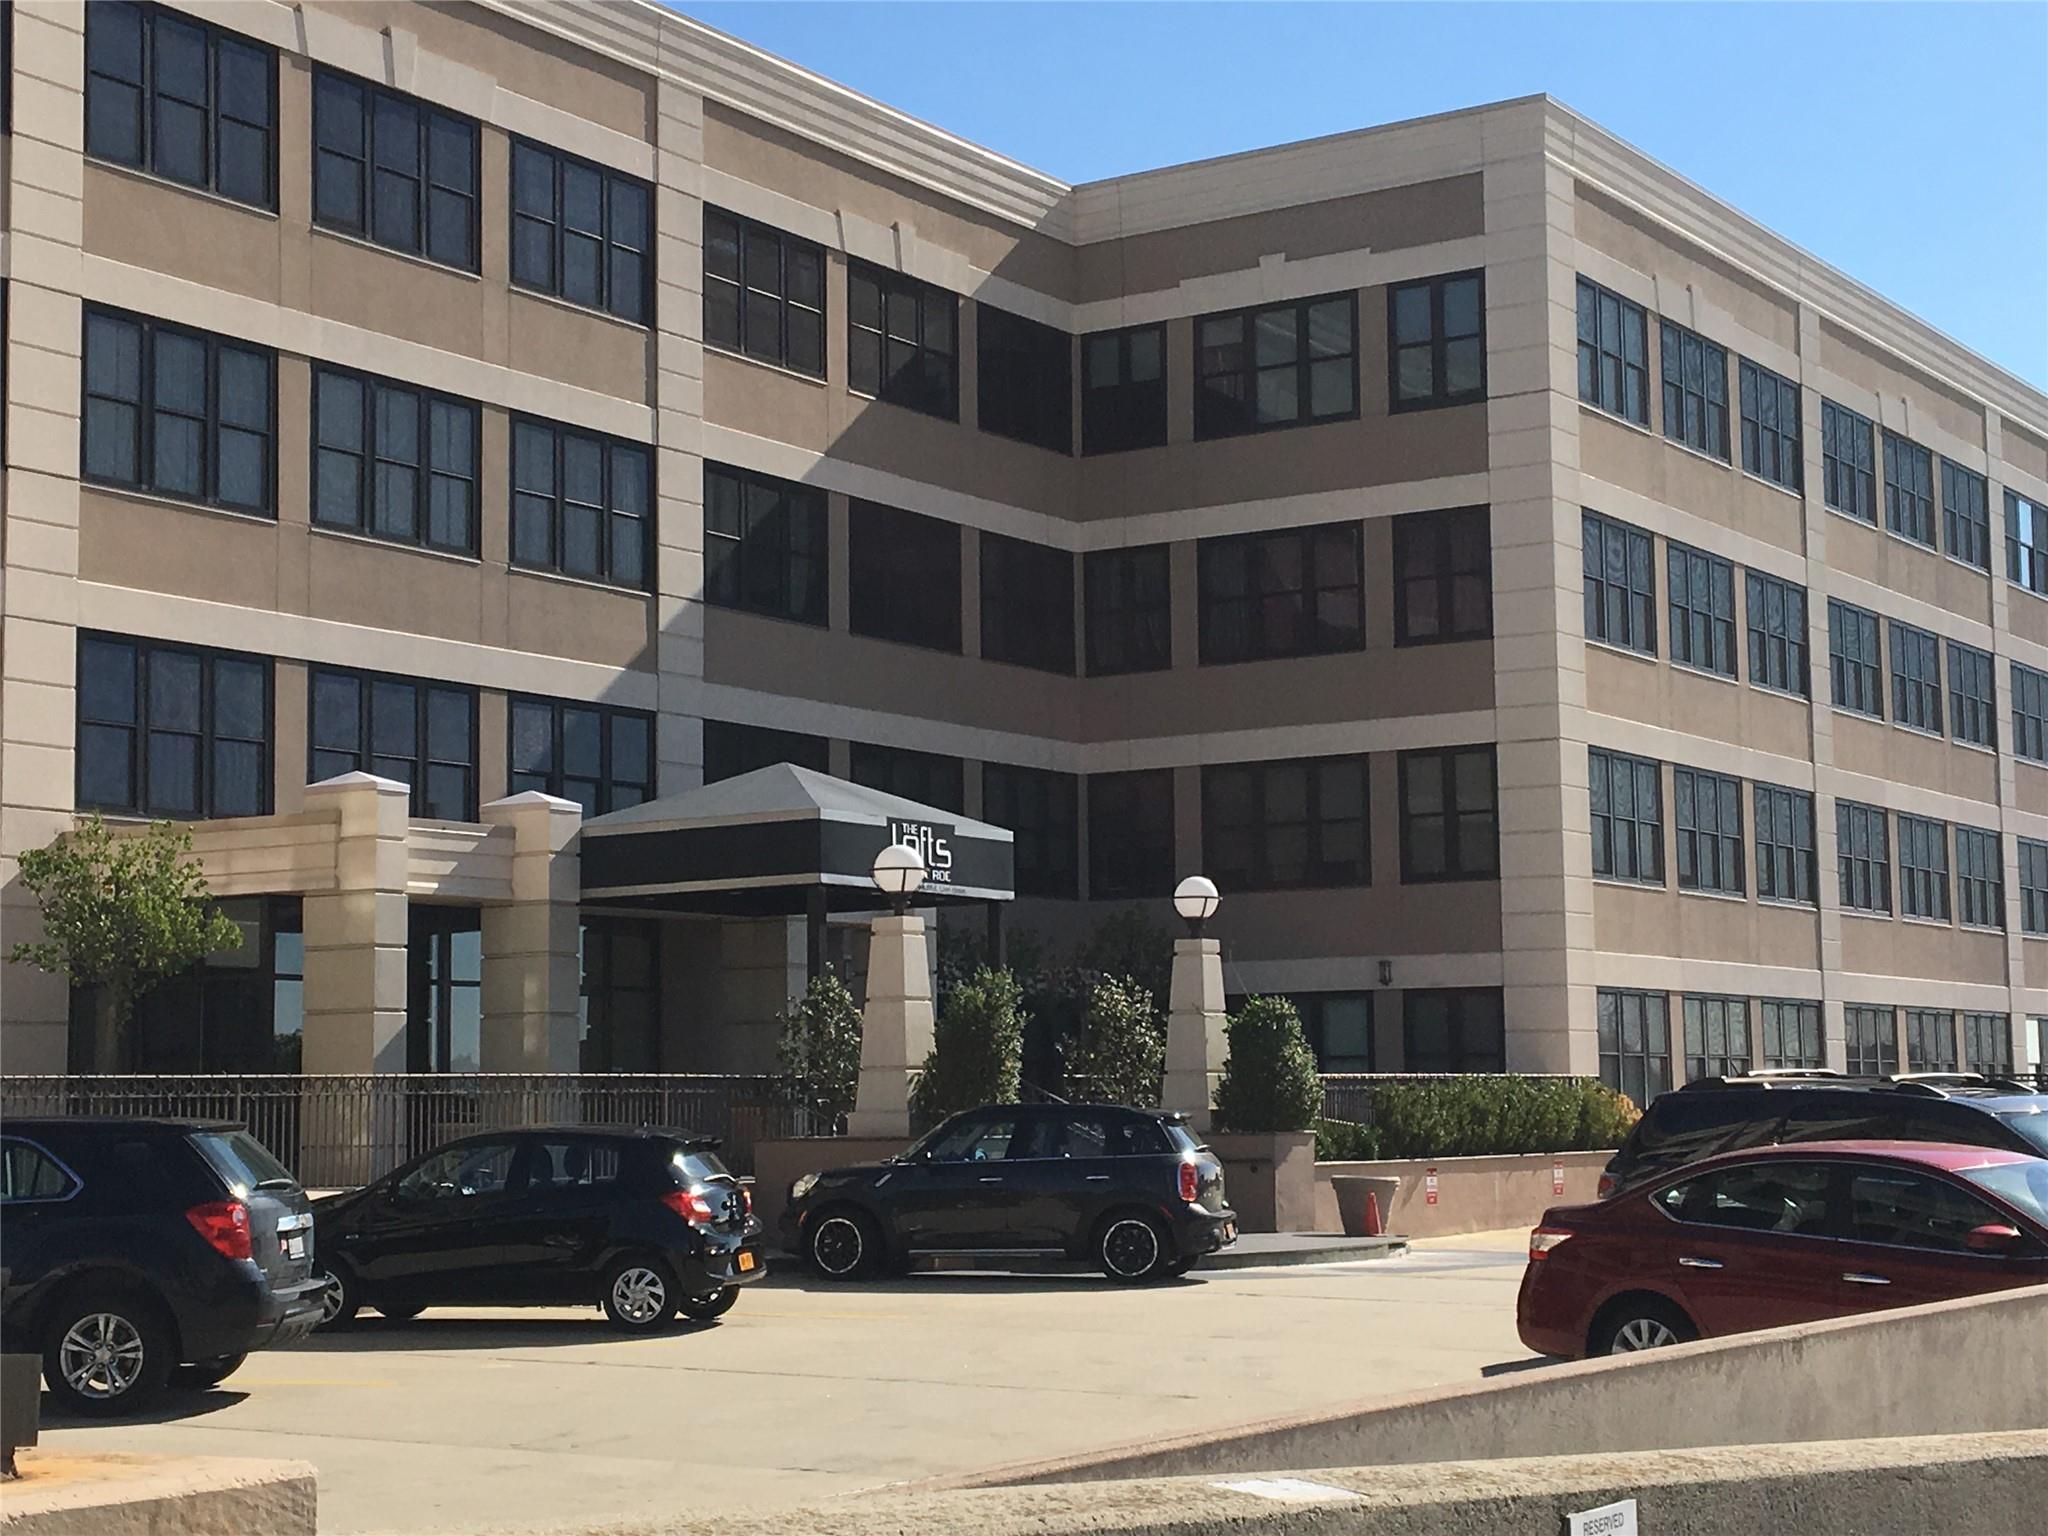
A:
(1769, 1077)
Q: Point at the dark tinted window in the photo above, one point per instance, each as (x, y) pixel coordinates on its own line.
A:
(1614, 353)
(2029, 713)
(1863, 856)
(621, 996)
(1923, 868)
(1282, 825)
(1635, 1042)
(242, 1161)
(1123, 389)
(1816, 1115)
(1904, 1209)
(1855, 661)
(1707, 813)
(1966, 515)
(480, 1168)
(1042, 809)
(1848, 461)
(1027, 604)
(1130, 834)
(1908, 489)
(764, 545)
(1627, 803)
(1685, 1127)
(1916, 678)
(582, 505)
(1784, 845)
(1620, 586)
(394, 170)
(1792, 1033)
(921, 776)
(1695, 391)
(580, 232)
(1283, 365)
(1716, 1036)
(1972, 706)
(421, 734)
(1025, 379)
(1871, 1037)
(1443, 576)
(1436, 341)
(565, 1165)
(902, 341)
(1450, 827)
(1770, 427)
(600, 757)
(166, 731)
(1775, 1196)
(27, 1172)
(731, 749)
(904, 571)
(764, 293)
(1777, 634)
(1453, 1029)
(1129, 610)
(1701, 590)
(394, 461)
(1290, 592)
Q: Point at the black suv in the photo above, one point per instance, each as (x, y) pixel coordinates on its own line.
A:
(1130, 1190)
(146, 1252)
(1726, 1114)
(640, 1222)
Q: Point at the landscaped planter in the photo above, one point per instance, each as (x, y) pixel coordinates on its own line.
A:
(1270, 1178)
(1473, 1194)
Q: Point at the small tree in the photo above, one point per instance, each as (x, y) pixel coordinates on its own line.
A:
(120, 914)
(1270, 1081)
(1121, 1046)
(820, 1048)
(977, 1048)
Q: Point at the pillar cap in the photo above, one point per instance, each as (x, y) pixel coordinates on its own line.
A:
(533, 797)
(342, 782)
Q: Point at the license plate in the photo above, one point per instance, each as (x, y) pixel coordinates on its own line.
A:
(746, 1261)
(295, 1245)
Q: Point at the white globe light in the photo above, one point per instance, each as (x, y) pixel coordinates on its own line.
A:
(1196, 898)
(899, 870)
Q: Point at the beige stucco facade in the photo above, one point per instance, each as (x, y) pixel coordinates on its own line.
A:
(1526, 191)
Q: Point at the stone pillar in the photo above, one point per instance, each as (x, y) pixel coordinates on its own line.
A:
(895, 1026)
(1195, 1046)
(532, 974)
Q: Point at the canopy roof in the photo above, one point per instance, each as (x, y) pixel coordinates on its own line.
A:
(762, 842)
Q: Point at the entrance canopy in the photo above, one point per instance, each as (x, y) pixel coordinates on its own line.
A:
(784, 840)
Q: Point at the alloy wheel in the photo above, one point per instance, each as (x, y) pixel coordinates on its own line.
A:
(639, 1295)
(1642, 1333)
(1130, 1248)
(331, 1297)
(838, 1246)
(102, 1356)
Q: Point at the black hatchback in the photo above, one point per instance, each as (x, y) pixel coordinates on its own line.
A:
(1130, 1190)
(141, 1253)
(643, 1223)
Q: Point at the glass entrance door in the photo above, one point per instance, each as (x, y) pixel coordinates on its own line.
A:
(444, 990)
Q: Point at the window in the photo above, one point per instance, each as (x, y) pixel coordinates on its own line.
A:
(1987, 1044)
(902, 341)
(1695, 391)
(1701, 588)
(394, 461)
(1286, 825)
(1980, 879)
(1923, 867)
(581, 232)
(1621, 588)
(465, 1171)
(1913, 1210)
(445, 972)
(1873, 1040)
(1863, 855)
(1847, 462)
(2033, 886)
(1339, 1029)
(1716, 1037)
(1443, 576)
(1123, 389)
(1291, 592)
(1972, 701)
(1283, 365)
(1129, 610)
(1024, 379)
(167, 95)
(171, 731)
(2026, 542)
(1784, 844)
(1043, 811)
(620, 1025)
(178, 413)
(731, 749)
(27, 1172)
(598, 756)
(1635, 1043)
(1614, 354)
(1908, 489)
(2029, 713)
(1453, 1030)
(904, 571)
(1770, 427)
(1777, 1197)
(1027, 604)
(1965, 515)
(764, 293)
(1930, 1040)
(421, 734)
(1708, 811)
(1916, 678)
(764, 545)
(394, 170)
(581, 505)
(1854, 660)
(1436, 341)
(1628, 817)
(1130, 834)
(1791, 1033)
(1777, 635)
(925, 777)
(1450, 828)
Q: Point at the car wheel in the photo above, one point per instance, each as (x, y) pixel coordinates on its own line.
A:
(341, 1300)
(714, 1304)
(399, 1311)
(106, 1352)
(201, 1374)
(843, 1244)
(1638, 1324)
(640, 1295)
(1130, 1247)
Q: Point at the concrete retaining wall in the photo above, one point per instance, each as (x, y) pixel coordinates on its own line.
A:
(1474, 1194)
(151, 1496)
(1270, 1179)
(1955, 1366)
(1964, 1485)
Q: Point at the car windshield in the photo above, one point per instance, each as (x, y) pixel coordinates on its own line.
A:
(2020, 1184)
(2032, 1124)
(242, 1161)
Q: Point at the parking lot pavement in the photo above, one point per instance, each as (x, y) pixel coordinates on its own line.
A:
(473, 1421)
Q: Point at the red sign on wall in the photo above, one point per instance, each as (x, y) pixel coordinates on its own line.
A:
(1429, 1187)
(1557, 1178)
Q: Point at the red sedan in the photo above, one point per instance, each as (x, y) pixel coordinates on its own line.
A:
(1784, 1234)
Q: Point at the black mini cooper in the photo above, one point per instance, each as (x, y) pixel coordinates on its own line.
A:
(1130, 1190)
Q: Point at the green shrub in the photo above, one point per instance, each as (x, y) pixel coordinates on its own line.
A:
(1605, 1116)
(820, 1049)
(977, 1048)
(1497, 1116)
(1269, 1081)
(1346, 1141)
(1120, 1048)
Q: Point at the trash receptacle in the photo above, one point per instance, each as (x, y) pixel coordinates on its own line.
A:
(1354, 1192)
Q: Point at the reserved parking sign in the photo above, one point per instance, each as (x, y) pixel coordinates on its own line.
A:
(1607, 1520)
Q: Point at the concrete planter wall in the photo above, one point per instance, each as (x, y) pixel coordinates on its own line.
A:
(1270, 1177)
(1473, 1194)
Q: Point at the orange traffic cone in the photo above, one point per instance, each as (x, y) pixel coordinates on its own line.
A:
(1374, 1227)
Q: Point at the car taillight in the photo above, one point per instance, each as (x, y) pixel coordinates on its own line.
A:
(1543, 1239)
(746, 1200)
(1190, 1182)
(1608, 1185)
(225, 1225)
(689, 1205)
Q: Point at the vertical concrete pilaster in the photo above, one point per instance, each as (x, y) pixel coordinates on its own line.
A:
(356, 933)
(895, 1026)
(1195, 1038)
(532, 966)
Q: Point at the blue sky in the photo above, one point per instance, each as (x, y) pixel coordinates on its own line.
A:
(1906, 144)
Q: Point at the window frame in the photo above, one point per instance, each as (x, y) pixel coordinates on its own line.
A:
(2029, 713)
(1027, 604)
(1773, 652)
(1694, 834)
(2033, 878)
(561, 162)
(1440, 394)
(557, 776)
(1639, 602)
(1036, 871)
(1119, 611)
(1256, 596)
(207, 735)
(1785, 861)
(1980, 878)
(1690, 626)
(368, 760)
(1931, 1040)
(1319, 872)
(1595, 355)
(1879, 1054)
(1965, 515)
(1787, 448)
(1108, 830)
(1028, 395)
(1605, 772)
(1806, 1021)
(901, 285)
(1700, 1013)
(367, 524)
(787, 246)
(1128, 400)
(1978, 1028)
(425, 114)
(1712, 439)
(1909, 509)
(1863, 857)
(878, 609)
(1207, 426)
(796, 504)
(1654, 1051)
(1444, 760)
(1867, 664)
(1972, 696)
(1917, 702)
(1848, 463)
(560, 435)
(1923, 882)
(2026, 561)
(1440, 530)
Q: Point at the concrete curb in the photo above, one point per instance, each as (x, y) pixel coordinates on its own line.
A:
(158, 1496)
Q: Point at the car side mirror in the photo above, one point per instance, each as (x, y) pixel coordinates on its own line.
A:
(1993, 1237)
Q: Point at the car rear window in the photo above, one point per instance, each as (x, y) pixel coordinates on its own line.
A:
(1183, 1139)
(242, 1161)
(695, 1167)
(1685, 1127)
(2031, 1125)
